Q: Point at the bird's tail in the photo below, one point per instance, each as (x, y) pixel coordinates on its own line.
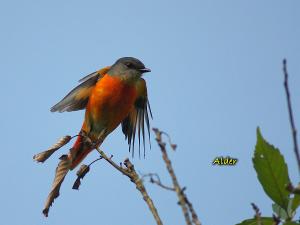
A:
(79, 151)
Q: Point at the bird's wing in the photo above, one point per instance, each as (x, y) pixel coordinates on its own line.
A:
(135, 122)
(79, 96)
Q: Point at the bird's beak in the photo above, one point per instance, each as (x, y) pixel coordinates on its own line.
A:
(145, 70)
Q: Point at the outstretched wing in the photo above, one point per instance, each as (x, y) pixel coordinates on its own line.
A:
(79, 96)
(134, 123)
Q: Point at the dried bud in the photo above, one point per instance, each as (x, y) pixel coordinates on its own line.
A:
(297, 189)
(83, 170)
(173, 146)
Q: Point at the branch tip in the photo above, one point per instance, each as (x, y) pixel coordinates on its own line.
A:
(291, 116)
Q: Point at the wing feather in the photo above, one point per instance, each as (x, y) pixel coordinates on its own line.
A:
(79, 96)
(134, 123)
(95, 74)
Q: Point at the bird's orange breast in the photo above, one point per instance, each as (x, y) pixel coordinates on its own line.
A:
(109, 103)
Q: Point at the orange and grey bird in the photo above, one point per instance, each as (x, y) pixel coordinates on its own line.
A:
(112, 96)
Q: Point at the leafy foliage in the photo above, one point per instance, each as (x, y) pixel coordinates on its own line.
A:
(283, 214)
(271, 171)
(263, 220)
(291, 223)
(295, 202)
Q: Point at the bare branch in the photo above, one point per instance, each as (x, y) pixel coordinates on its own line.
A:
(173, 146)
(195, 218)
(180, 194)
(130, 172)
(291, 117)
(157, 181)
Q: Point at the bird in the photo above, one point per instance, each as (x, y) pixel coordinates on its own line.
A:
(111, 96)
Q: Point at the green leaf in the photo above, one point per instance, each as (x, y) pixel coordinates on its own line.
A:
(291, 223)
(296, 202)
(283, 214)
(271, 171)
(279, 211)
(264, 220)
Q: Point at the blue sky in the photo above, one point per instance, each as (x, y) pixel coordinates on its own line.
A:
(216, 76)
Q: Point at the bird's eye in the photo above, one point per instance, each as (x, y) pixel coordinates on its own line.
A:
(129, 65)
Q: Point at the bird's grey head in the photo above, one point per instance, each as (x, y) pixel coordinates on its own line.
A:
(128, 68)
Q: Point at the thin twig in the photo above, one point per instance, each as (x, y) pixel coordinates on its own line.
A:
(291, 117)
(130, 172)
(116, 166)
(157, 181)
(178, 189)
(83, 170)
(195, 218)
(173, 146)
(95, 161)
(257, 214)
